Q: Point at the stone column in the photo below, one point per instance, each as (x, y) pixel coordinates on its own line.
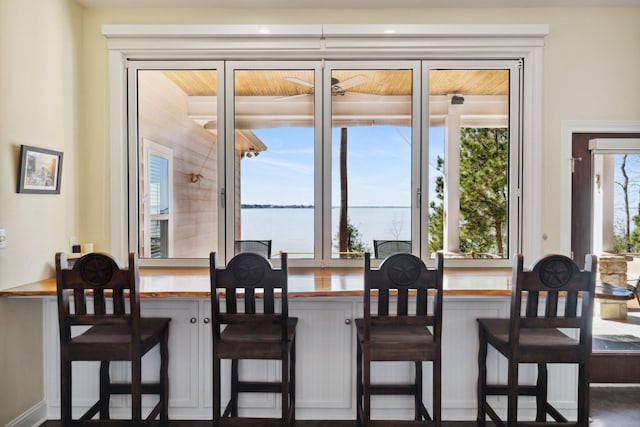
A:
(612, 269)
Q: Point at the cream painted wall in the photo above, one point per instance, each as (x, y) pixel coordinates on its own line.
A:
(592, 58)
(39, 74)
(39, 48)
(21, 365)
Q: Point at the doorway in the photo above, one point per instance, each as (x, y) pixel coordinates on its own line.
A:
(616, 351)
(582, 181)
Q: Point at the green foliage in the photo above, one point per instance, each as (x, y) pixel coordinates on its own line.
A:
(436, 226)
(634, 238)
(436, 213)
(354, 241)
(483, 193)
(619, 244)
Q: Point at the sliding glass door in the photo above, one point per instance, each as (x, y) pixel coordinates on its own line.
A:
(272, 161)
(373, 148)
(474, 167)
(174, 204)
(325, 160)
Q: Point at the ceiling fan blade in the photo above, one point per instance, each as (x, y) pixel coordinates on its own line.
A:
(353, 81)
(357, 96)
(283, 98)
(299, 81)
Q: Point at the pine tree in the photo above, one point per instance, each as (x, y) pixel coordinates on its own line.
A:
(483, 193)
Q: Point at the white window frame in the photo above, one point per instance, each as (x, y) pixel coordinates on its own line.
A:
(515, 172)
(331, 41)
(150, 148)
(230, 165)
(124, 193)
(382, 64)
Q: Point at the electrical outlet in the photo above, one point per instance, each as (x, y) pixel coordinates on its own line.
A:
(3, 238)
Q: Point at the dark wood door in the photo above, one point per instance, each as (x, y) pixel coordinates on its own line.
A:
(581, 191)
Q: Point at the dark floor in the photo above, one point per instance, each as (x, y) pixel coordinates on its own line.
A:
(610, 407)
(615, 406)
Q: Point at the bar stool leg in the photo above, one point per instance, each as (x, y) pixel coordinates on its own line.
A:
(65, 392)
(418, 391)
(482, 380)
(292, 379)
(216, 391)
(359, 385)
(367, 390)
(437, 393)
(136, 390)
(105, 384)
(541, 393)
(284, 387)
(583, 395)
(512, 394)
(164, 378)
(234, 387)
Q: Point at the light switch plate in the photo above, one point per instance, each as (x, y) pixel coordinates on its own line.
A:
(3, 238)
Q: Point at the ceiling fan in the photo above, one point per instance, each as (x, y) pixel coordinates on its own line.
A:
(338, 88)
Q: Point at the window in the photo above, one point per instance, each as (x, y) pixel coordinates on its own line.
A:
(157, 212)
(323, 157)
(273, 165)
(174, 145)
(373, 144)
(473, 158)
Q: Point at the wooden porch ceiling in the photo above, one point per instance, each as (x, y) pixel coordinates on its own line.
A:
(378, 82)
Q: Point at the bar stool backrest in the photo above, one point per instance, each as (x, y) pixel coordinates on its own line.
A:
(404, 275)
(95, 290)
(550, 280)
(247, 276)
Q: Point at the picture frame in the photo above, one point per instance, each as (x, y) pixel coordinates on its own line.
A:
(40, 170)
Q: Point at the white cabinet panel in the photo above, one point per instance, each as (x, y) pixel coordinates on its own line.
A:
(460, 353)
(184, 345)
(325, 358)
(206, 357)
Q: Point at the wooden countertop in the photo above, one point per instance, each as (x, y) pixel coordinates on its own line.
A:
(303, 282)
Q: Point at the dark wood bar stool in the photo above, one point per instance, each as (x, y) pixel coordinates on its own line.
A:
(534, 336)
(241, 333)
(97, 293)
(400, 334)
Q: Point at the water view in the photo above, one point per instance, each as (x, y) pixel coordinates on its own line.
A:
(291, 229)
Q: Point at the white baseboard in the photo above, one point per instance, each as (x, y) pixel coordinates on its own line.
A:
(33, 417)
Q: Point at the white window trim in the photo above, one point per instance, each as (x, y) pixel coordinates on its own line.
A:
(334, 41)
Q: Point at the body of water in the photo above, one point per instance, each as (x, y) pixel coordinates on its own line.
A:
(291, 229)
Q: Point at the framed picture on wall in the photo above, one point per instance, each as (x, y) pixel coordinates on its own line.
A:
(40, 170)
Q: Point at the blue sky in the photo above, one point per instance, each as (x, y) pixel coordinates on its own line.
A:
(379, 166)
(633, 172)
